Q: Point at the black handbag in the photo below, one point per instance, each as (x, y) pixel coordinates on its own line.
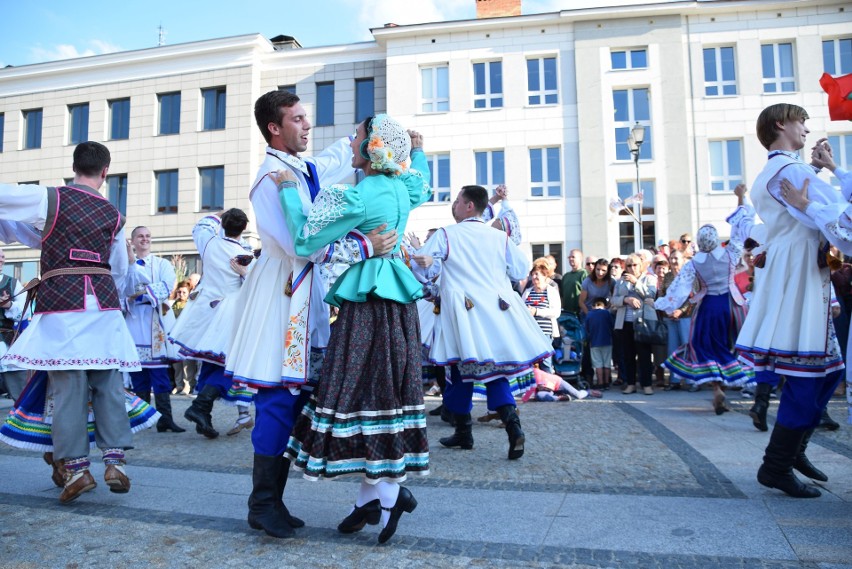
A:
(649, 331)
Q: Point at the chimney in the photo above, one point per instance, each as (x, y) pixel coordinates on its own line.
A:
(283, 42)
(497, 8)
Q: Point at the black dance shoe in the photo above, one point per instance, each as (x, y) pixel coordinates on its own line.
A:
(405, 502)
(369, 513)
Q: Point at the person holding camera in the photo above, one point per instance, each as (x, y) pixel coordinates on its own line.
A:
(225, 260)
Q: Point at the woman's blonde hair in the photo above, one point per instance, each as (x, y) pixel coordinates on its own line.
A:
(544, 266)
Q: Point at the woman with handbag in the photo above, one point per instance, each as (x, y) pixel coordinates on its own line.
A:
(633, 298)
(709, 356)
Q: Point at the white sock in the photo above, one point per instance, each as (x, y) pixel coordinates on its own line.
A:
(388, 493)
(366, 493)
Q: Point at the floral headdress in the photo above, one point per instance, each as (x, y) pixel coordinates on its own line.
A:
(388, 145)
(708, 238)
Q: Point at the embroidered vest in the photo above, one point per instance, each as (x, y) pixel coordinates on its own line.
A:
(78, 233)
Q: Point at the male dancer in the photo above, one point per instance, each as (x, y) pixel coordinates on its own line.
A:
(149, 283)
(277, 345)
(788, 330)
(197, 331)
(484, 332)
(77, 333)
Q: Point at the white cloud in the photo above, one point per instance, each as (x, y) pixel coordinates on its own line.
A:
(380, 12)
(39, 53)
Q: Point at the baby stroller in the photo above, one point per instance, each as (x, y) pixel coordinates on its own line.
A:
(567, 361)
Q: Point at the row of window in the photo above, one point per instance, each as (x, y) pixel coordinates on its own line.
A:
(542, 85)
(490, 168)
(365, 100)
(542, 78)
(213, 104)
(168, 106)
(211, 183)
(777, 64)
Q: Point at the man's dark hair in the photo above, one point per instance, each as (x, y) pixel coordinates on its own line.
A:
(90, 158)
(476, 194)
(767, 122)
(268, 107)
(234, 222)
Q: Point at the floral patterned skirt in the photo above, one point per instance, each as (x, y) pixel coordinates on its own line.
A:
(367, 414)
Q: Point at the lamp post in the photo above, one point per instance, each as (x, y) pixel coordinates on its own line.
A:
(634, 142)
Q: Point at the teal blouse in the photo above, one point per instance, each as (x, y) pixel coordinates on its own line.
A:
(340, 208)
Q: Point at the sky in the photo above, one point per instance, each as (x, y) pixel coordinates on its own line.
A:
(50, 30)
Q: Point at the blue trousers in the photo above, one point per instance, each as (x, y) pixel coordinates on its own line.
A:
(276, 411)
(156, 378)
(213, 374)
(803, 400)
(458, 396)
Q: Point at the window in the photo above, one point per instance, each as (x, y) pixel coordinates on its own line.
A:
(439, 173)
(212, 188)
(726, 164)
(837, 56)
(720, 75)
(434, 89)
(490, 168)
(841, 147)
(629, 59)
(631, 106)
(542, 86)
(365, 106)
(169, 113)
(2, 129)
(117, 192)
(24, 271)
(636, 209)
(78, 128)
(488, 85)
(32, 128)
(325, 104)
(778, 68)
(545, 249)
(545, 172)
(167, 191)
(119, 112)
(214, 108)
(288, 88)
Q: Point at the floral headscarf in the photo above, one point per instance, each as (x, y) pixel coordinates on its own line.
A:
(708, 238)
(388, 145)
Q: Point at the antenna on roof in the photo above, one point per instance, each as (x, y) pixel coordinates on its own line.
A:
(161, 36)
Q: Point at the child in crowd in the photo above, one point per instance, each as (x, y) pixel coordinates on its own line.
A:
(599, 324)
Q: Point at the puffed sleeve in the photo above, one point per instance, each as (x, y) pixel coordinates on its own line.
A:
(416, 179)
(678, 292)
(337, 210)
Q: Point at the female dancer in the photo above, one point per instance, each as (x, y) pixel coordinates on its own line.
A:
(367, 414)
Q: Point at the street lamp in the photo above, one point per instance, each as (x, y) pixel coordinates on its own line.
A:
(634, 143)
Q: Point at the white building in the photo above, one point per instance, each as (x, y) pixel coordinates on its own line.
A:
(541, 102)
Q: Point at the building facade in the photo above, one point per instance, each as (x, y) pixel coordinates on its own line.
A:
(543, 103)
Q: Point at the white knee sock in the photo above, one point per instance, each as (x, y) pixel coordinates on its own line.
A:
(388, 493)
(366, 493)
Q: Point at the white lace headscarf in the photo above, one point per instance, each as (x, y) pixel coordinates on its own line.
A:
(388, 146)
(708, 238)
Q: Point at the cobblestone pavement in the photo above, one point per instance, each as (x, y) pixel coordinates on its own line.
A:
(625, 481)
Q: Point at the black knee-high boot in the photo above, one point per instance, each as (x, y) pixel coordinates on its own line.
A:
(760, 407)
(777, 468)
(163, 402)
(264, 503)
(199, 411)
(463, 436)
(509, 416)
(144, 395)
(283, 474)
(803, 465)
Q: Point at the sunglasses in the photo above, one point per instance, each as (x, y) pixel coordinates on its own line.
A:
(630, 265)
(685, 241)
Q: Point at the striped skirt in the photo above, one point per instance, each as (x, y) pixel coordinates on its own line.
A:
(367, 414)
(30, 422)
